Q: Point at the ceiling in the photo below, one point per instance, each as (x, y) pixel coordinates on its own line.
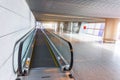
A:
(57, 17)
(75, 10)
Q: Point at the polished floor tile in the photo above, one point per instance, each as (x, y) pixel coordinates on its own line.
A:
(94, 60)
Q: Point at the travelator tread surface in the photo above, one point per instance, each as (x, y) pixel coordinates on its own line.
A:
(46, 74)
(41, 56)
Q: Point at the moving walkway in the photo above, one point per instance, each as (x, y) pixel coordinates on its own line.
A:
(42, 55)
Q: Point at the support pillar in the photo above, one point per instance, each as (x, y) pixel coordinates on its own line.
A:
(70, 27)
(58, 27)
(79, 26)
(110, 31)
(65, 26)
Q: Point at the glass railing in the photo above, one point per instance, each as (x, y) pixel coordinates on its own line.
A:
(22, 52)
(62, 49)
(26, 50)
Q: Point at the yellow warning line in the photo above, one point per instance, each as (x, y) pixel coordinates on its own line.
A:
(53, 57)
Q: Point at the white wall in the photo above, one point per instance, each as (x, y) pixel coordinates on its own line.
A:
(16, 19)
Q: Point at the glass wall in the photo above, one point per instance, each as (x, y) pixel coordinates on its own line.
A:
(96, 29)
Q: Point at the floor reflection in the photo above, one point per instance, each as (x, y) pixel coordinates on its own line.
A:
(93, 59)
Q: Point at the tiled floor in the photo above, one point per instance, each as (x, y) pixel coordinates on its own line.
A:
(94, 60)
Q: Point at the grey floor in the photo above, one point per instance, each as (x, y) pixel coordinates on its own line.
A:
(94, 60)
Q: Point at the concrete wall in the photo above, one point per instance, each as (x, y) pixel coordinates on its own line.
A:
(16, 19)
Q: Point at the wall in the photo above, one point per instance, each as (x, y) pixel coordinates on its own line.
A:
(94, 29)
(16, 19)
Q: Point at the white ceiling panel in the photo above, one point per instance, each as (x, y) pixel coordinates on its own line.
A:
(86, 8)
